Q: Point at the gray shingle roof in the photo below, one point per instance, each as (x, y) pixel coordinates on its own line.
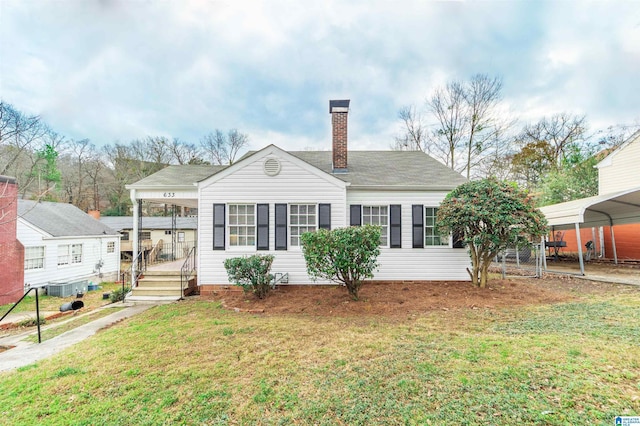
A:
(387, 168)
(185, 175)
(61, 219)
(392, 169)
(151, 222)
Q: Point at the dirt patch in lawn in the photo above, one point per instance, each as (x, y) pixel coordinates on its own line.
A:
(399, 299)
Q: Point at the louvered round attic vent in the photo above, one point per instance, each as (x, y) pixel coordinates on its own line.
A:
(271, 166)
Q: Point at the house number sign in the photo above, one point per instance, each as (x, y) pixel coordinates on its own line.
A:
(169, 195)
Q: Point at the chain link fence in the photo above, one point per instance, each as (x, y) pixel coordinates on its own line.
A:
(527, 261)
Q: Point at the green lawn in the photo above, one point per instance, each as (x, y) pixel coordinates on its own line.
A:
(195, 363)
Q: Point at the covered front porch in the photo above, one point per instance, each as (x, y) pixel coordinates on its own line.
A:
(176, 275)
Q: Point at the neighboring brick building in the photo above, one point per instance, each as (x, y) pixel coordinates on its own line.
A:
(11, 250)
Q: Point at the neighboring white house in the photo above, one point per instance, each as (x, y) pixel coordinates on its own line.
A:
(267, 199)
(155, 228)
(619, 170)
(64, 244)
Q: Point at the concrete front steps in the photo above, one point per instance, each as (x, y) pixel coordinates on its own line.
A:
(159, 287)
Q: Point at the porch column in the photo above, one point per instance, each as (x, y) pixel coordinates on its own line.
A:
(613, 244)
(134, 263)
(579, 238)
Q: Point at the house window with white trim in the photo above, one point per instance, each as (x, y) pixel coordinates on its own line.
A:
(64, 255)
(302, 218)
(242, 225)
(431, 237)
(34, 257)
(76, 253)
(377, 215)
(111, 247)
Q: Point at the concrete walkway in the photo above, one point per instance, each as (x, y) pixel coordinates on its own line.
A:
(25, 353)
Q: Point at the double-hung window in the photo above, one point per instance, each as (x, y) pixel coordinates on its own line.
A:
(431, 237)
(302, 218)
(76, 253)
(64, 254)
(242, 225)
(377, 215)
(34, 257)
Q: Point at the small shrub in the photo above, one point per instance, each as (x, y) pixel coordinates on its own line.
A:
(251, 273)
(118, 295)
(344, 255)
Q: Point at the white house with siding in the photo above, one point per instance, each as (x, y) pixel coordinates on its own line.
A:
(619, 170)
(267, 199)
(63, 244)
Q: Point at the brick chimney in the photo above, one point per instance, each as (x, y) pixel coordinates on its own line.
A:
(339, 110)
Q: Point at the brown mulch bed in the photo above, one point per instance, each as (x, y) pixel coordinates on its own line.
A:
(397, 299)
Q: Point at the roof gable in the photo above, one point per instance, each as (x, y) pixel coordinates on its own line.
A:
(61, 219)
(609, 158)
(269, 151)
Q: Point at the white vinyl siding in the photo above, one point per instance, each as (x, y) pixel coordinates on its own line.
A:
(440, 262)
(431, 237)
(377, 215)
(250, 185)
(302, 218)
(34, 257)
(242, 225)
(621, 174)
(94, 250)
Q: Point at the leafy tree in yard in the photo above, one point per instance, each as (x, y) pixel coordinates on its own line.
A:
(343, 255)
(251, 273)
(489, 215)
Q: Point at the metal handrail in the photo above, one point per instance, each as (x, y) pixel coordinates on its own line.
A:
(141, 264)
(37, 309)
(187, 269)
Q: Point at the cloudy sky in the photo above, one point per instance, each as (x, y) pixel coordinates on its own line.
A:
(119, 70)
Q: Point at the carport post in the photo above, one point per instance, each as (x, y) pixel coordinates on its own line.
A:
(613, 244)
(579, 248)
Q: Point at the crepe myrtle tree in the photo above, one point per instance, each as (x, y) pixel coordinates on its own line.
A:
(343, 255)
(489, 215)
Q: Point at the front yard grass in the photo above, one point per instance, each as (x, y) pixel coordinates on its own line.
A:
(195, 363)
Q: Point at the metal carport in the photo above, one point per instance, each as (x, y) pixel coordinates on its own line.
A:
(616, 208)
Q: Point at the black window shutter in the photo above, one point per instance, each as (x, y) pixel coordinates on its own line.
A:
(218, 226)
(355, 215)
(417, 218)
(395, 226)
(458, 241)
(281, 226)
(324, 216)
(262, 238)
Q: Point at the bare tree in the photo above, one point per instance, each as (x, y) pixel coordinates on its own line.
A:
(223, 149)
(18, 133)
(558, 132)
(413, 137)
(465, 133)
(184, 153)
(447, 105)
